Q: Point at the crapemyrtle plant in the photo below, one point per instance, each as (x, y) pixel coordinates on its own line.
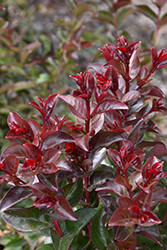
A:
(94, 180)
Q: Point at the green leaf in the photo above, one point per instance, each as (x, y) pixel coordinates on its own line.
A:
(84, 216)
(106, 16)
(15, 244)
(27, 219)
(44, 77)
(14, 69)
(123, 15)
(46, 247)
(88, 6)
(60, 243)
(4, 88)
(5, 41)
(72, 228)
(75, 193)
(83, 242)
(99, 233)
(163, 20)
(23, 85)
(147, 11)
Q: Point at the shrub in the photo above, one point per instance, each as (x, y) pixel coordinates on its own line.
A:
(38, 58)
(95, 182)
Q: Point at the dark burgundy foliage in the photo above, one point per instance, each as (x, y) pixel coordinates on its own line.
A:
(100, 163)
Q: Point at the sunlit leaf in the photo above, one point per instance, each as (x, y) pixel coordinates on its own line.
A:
(123, 217)
(27, 219)
(134, 65)
(15, 195)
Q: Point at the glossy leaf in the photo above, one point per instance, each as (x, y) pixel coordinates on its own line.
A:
(97, 157)
(72, 228)
(149, 219)
(105, 139)
(27, 219)
(84, 216)
(14, 117)
(36, 128)
(75, 193)
(111, 104)
(134, 133)
(98, 178)
(125, 202)
(48, 180)
(134, 65)
(111, 116)
(84, 242)
(64, 209)
(51, 155)
(40, 190)
(99, 233)
(130, 243)
(56, 139)
(123, 233)
(111, 186)
(64, 164)
(11, 163)
(97, 122)
(81, 140)
(123, 217)
(150, 233)
(131, 95)
(110, 203)
(135, 178)
(116, 158)
(60, 243)
(152, 91)
(15, 149)
(158, 150)
(32, 151)
(14, 196)
(159, 195)
(76, 104)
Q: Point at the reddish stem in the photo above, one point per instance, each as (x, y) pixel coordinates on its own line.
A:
(127, 182)
(94, 111)
(87, 194)
(88, 116)
(57, 227)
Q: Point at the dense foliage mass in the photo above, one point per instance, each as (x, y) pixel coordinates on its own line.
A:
(91, 176)
(95, 176)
